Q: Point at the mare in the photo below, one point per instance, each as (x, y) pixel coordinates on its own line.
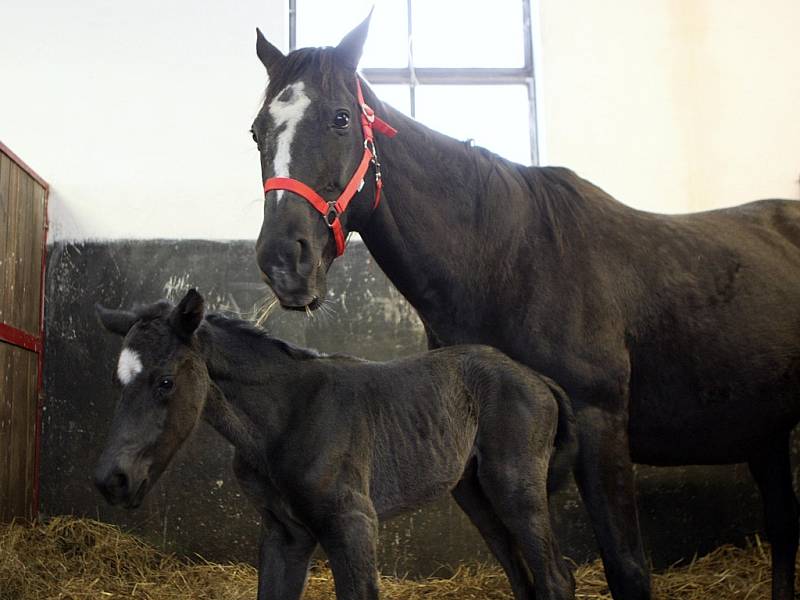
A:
(676, 337)
(327, 445)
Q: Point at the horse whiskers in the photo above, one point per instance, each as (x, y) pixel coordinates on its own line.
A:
(326, 308)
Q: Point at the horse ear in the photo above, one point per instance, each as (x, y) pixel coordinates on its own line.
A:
(186, 317)
(352, 45)
(116, 321)
(268, 54)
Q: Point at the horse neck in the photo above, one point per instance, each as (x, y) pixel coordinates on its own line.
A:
(449, 209)
(240, 405)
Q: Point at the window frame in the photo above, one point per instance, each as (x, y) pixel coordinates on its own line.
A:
(412, 76)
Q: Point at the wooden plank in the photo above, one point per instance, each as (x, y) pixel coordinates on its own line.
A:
(5, 239)
(26, 393)
(17, 434)
(5, 428)
(22, 252)
(10, 259)
(25, 301)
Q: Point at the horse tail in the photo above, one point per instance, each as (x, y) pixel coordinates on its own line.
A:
(566, 443)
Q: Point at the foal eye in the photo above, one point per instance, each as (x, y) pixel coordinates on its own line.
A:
(341, 120)
(165, 384)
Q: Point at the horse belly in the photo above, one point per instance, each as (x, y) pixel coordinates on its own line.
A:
(680, 417)
(413, 471)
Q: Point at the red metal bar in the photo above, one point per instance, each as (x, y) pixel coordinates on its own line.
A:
(37, 433)
(25, 340)
(20, 338)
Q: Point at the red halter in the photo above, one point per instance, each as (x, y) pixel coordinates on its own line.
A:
(332, 210)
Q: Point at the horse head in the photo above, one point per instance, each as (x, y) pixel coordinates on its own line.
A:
(164, 384)
(310, 131)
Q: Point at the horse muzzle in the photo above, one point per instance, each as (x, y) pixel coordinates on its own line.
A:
(120, 487)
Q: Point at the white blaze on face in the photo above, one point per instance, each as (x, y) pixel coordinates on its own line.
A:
(287, 110)
(129, 366)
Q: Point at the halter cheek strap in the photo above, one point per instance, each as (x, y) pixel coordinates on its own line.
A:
(332, 210)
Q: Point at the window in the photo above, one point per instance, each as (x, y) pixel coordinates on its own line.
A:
(462, 67)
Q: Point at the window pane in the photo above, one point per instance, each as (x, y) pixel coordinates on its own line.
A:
(325, 23)
(399, 96)
(468, 33)
(495, 116)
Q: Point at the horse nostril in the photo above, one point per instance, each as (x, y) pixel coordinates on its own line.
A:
(117, 484)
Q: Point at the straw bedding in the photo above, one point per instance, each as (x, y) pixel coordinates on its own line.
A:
(66, 558)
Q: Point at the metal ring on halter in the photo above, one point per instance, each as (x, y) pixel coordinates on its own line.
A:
(332, 210)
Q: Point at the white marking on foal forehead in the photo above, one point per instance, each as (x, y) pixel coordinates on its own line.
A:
(129, 365)
(287, 109)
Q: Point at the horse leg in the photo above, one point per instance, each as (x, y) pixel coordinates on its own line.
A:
(285, 549)
(513, 457)
(604, 474)
(520, 502)
(349, 540)
(772, 471)
(283, 561)
(476, 505)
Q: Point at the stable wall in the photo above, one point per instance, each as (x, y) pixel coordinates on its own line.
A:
(197, 507)
(138, 115)
(673, 105)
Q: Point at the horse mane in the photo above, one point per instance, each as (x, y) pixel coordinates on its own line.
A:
(558, 193)
(240, 328)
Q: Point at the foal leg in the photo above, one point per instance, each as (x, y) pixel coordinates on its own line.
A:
(772, 471)
(476, 505)
(514, 448)
(604, 474)
(283, 560)
(349, 539)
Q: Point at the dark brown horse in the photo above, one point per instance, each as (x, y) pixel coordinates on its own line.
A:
(676, 337)
(327, 445)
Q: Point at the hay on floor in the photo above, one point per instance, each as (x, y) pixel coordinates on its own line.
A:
(75, 559)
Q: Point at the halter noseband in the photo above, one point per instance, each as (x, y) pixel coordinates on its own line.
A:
(332, 210)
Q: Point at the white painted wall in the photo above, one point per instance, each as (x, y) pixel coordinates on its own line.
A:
(673, 105)
(137, 113)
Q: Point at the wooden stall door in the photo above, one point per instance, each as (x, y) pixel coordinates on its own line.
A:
(23, 231)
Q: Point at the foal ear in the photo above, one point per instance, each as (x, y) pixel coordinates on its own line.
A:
(186, 317)
(352, 45)
(116, 321)
(268, 54)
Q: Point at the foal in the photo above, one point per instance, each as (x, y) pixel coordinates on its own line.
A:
(327, 445)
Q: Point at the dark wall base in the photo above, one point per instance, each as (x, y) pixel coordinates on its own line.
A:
(197, 506)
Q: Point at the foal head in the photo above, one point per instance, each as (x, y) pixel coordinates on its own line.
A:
(308, 129)
(164, 384)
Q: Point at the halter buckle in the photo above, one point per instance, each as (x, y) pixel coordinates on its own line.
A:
(368, 112)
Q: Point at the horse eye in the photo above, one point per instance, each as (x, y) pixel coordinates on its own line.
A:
(165, 384)
(255, 137)
(341, 120)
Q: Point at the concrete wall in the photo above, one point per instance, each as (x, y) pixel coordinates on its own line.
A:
(198, 508)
